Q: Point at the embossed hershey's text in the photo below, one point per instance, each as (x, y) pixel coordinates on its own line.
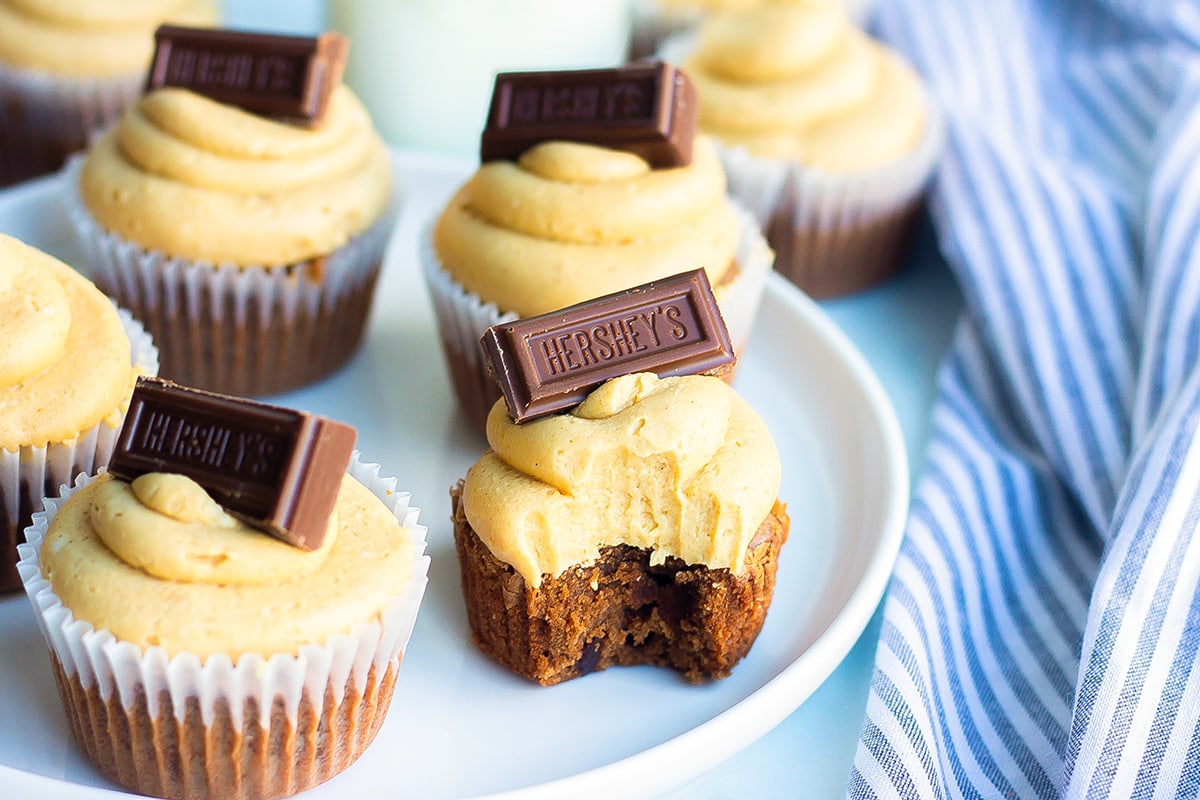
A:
(597, 342)
(208, 444)
(622, 100)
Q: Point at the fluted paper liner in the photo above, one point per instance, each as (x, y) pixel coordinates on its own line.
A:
(833, 233)
(463, 317)
(46, 117)
(117, 695)
(31, 472)
(243, 330)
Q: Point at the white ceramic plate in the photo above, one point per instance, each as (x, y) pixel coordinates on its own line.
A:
(459, 725)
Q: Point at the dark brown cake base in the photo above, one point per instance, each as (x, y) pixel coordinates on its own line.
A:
(621, 610)
(166, 757)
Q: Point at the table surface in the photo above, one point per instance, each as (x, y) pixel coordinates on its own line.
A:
(814, 746)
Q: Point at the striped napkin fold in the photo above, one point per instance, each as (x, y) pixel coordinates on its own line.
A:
(1041, 631)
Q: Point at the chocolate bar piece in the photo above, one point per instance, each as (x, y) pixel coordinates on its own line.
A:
(646, 108)
(289, 77)
(551, 362)
(278, 469)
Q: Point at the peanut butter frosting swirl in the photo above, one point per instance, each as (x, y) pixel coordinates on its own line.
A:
(800, 82)
(191, 177)
(679, 466)
(157, 563)
(98, 38)
(64, 355)
(568, 222)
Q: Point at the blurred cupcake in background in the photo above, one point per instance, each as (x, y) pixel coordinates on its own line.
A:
(568, 221)
(826, 135)
(69, 67)
(656, 20)
(68, 362)
(249, 245)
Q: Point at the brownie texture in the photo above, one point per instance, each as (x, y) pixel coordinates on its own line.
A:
(163, 756)
(619, 610)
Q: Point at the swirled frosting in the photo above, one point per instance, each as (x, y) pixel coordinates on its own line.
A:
(680, 466)
(800, 82)
(97, 38)
(568, 222)
(158, 563)
(191, 177)
(64, 356)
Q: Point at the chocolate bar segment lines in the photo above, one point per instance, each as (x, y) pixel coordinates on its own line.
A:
(287, 77)
(551, 362)
(645, 108)
(275, 468)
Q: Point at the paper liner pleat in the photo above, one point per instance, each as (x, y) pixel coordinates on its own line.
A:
(240, 329)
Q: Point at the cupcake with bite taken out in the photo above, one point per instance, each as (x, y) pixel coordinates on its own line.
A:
(580, 208)
(244, 228)
(201, 646)
(641, 525)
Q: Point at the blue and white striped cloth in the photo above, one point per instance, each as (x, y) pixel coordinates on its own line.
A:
(1041, 631)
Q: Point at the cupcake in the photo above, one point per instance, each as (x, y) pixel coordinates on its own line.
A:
(825, 134)
(641, 527)
(68, 361)
(568, 222)
(654, 21)
(67, 69)
(249, 246)
(198, 657)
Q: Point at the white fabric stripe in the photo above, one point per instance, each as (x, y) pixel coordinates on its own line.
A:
(1170, 637)
(1042, 405)
(1012, 637)
(953, 735)
(901, 745)
(1172, 767)
(1034, 602)
(1152, 570)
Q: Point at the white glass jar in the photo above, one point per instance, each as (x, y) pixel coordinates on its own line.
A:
(425, 68)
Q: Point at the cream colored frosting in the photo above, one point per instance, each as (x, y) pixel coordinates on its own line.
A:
(64, 356)
(568, 222)
(680, 466)
(800, 82)
(157, 565)
(191, 177)
(97, 38)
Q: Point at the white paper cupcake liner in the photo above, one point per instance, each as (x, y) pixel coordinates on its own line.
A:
(123, 669)
(45, 117)
(36, 470)
(462, 317)
(244, 330)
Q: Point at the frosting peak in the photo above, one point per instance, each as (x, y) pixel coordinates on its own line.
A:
(680, 466)
(168, 526)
